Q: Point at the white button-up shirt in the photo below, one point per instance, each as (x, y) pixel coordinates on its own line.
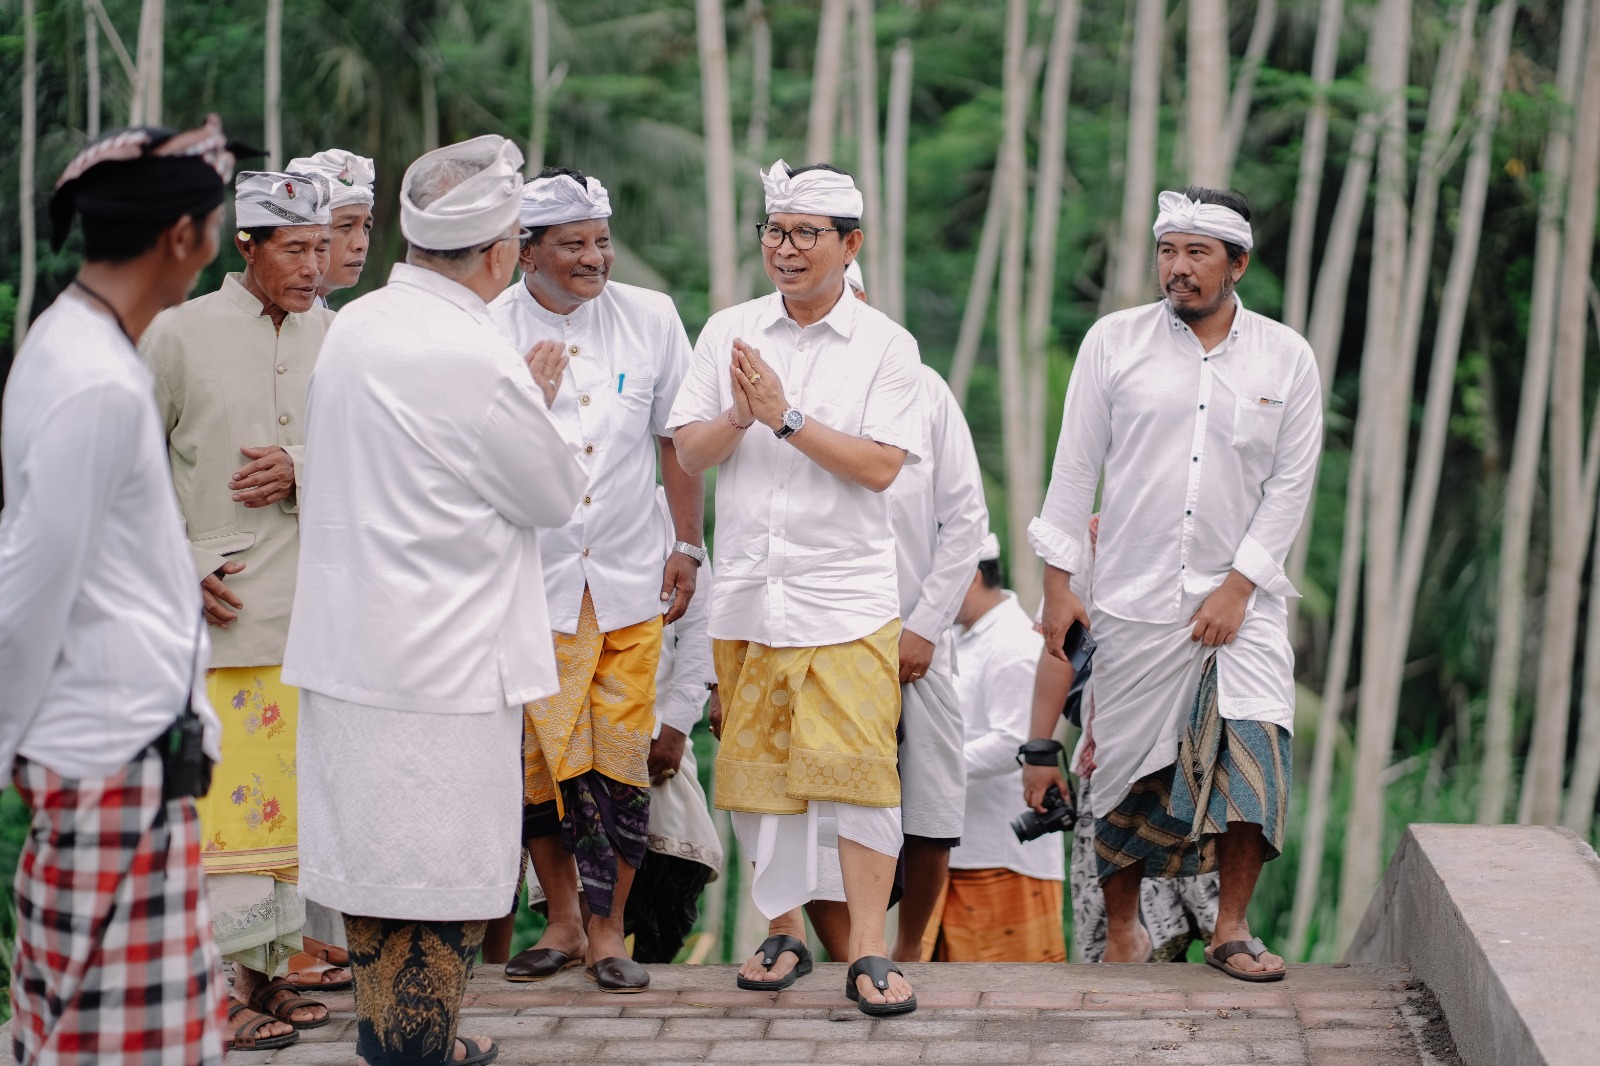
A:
(99, 606)
(999, 656)
(939, 516)
(430, 461)
(1208, 458)
(627, 353)
(804, 558)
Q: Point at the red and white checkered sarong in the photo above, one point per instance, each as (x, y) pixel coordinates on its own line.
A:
(115, 960)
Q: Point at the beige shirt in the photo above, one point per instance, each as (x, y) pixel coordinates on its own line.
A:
(226, 380)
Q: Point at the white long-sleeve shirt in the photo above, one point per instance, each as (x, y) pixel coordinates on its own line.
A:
(1208, 459)
(939, 516)
(430, 462)
(99, 606)
(627, 353)
(805, 558)
(999, 655)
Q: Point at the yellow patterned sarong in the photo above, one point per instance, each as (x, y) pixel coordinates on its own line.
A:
(604, 714)
(803, 724)
(248, 819)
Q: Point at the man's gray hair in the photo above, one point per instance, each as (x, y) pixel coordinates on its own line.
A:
(431, 181)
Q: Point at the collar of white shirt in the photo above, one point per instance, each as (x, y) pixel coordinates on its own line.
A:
(841, 318)
(431, 281)
(988, 620)
(1180, 326)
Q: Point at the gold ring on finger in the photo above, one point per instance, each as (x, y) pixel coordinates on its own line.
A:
(755, 379)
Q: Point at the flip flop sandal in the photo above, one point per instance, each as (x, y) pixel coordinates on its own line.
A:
(277, 998)
(474, 1056)
(244, 1037)
(770, 949)
(878, 968)
(312, 975)
(1218, 958)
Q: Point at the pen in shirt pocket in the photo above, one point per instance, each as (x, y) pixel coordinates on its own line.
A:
(619, 381)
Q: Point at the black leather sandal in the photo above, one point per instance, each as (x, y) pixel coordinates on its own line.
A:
(878, 968)
(770, 949)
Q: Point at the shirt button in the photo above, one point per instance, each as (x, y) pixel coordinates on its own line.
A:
(1188, 512)
(1196, 459)
(587, 500)
(1205, 359)
(586, 553)
(573, 349)
(588, 449)
(283, 420)
(283, 369)
(584, 399)
(1202, 407)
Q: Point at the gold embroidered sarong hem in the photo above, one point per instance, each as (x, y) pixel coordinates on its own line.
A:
(804, 724)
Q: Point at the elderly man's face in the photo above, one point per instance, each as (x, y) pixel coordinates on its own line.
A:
(808, 274)
(352, 234)
(569, 264)
(287, 267)
(1196, 276)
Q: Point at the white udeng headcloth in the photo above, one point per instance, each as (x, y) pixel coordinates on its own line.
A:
(815, 192)
(990, 550)
(1176, 213)
(350, 176)
(479, 209)
(553, 201)
(275, 198)
(853, 278)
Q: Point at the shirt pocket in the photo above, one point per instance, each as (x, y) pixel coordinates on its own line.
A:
(1256, 421)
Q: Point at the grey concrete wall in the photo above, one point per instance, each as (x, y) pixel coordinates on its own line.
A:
(1503, 923)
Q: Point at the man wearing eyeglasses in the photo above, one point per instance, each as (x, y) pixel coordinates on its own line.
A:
(805, 616)
(611, 357)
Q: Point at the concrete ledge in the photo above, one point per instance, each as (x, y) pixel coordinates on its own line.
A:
(1503, 924)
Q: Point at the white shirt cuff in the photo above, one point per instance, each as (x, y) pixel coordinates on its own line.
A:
(1257, 564)
(1055, 547)
(678, 716)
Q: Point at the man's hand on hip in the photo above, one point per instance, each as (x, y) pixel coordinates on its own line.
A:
(266, 479)
(666, 752)
(677, 586)
(714, 714)
(217, 597)
(916, 655)
(1218, 620)
(1062, 607)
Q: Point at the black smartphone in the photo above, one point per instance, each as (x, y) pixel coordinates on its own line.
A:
(1079, 646)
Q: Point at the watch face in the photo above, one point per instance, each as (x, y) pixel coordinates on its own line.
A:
(793, 419)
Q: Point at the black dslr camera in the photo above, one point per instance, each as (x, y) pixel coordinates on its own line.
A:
(1059, 816)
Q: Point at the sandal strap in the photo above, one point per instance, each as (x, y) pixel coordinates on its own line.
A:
(1252, 947)
(774, 946)
(278, 998)
(876, 967)
(249, 1030)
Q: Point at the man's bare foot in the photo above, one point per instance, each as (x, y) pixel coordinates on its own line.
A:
(243, 1019)
(899, 989)
(567, 938)
(1268, 963)
(479, 1044)
(605, 942)
(782, 966)
(1128, 945)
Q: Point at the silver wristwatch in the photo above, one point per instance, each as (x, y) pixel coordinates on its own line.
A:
(693, 551)
(793, 421)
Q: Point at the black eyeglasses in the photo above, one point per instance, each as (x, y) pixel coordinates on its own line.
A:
(520, 235)
(804, 238)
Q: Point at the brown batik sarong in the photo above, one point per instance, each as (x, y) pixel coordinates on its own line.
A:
(410, 979)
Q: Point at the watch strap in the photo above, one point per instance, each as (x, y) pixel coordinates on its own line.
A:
(693, 551)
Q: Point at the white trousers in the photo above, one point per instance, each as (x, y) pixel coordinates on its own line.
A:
(797, 855)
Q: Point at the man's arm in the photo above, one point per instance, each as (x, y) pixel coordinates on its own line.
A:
(1287, 491)
(682, 699)
(523, 467)
(686, 502)
(961, 515)
(69, 474)
(1051, 683)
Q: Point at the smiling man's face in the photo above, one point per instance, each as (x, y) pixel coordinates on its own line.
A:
(808, 274)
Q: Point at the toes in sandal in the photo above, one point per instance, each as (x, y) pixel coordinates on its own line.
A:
(1219, 956)
(878, 968)
(306, 974)
(277, 998)
(474, 1057)
(244, 1037)
(770, 949)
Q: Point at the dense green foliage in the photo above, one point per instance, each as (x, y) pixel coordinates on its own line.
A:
(629, 110)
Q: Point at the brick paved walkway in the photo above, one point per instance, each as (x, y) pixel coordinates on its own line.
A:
(1071, 1015)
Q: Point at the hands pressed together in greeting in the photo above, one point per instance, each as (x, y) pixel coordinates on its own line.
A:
(757, 391)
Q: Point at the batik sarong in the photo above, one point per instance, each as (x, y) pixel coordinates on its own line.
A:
(410, 979)
(251, 820)
(604, 822)
(115, 961)
(803, 724)
(1228, 771)
(999, 915)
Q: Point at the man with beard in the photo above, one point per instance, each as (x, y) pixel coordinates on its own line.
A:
(1206, 420)
(231, 369)
(350, 178)
(610, 357)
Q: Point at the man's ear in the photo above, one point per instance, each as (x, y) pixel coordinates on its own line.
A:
(1239, 266)
(246, 247)
(853, 243)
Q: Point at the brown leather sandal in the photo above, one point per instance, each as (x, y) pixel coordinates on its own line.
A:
(277, 998)
(307, 973)
(244, 1037)
(1218, 958)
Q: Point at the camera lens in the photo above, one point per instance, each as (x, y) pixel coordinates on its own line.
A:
(1027, 826)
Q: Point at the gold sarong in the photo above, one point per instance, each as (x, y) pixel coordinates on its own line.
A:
(1001, 916)
(604, 714)
(249, 818)
(803, 724)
